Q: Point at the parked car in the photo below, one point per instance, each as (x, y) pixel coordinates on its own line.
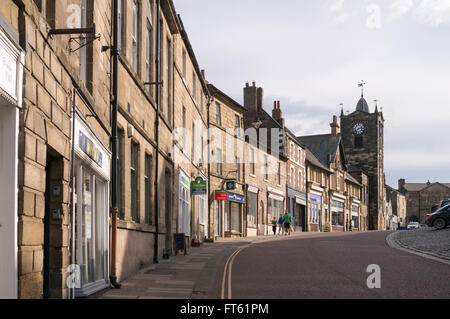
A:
(444, 203)
(435, 207)
(439, 219)
(413, 225)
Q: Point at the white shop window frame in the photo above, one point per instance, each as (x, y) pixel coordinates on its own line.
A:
(103, 174)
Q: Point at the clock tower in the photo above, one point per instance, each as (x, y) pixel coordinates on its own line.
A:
(363, 138)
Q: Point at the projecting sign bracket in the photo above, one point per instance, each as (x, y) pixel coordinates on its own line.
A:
(86, 36)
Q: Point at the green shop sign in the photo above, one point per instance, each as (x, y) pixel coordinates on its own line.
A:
(199, 186)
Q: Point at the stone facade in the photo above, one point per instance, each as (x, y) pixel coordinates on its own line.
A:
(398, 202)
(363, 139)
(52, 75)
(229, 156)
(420, 197)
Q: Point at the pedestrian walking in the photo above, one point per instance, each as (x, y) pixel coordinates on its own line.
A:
(280, 225)
(274, 225)
(287, 223)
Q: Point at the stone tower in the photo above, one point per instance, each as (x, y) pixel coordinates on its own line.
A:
(363, 138)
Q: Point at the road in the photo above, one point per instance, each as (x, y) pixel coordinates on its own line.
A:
(333, 266)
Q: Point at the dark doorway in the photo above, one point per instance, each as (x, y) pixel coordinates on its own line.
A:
(47, 226)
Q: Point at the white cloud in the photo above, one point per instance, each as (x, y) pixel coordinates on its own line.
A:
(400, 7)
(433, 12)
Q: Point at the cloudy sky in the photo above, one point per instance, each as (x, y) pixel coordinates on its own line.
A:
(312, 54)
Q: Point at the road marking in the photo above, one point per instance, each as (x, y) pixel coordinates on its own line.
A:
(227, 270)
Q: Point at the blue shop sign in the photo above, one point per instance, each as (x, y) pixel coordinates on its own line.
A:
(90, 149)
(236, 198)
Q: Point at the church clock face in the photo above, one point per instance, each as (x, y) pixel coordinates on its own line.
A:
(359, 128)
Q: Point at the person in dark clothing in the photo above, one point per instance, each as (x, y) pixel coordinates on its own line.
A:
(274, 225)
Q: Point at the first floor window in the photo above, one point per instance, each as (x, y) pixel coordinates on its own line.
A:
(134, 181)
(252, 209)
(147, 188)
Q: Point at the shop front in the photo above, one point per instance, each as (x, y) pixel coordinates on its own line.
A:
(91, 208)
(275, 206)
(184, 204)
(296, 205)
(315, 212)
(337, 214)
(11, 73)
(355, 216)
(233, 207)
(199, 208)
(252, 211)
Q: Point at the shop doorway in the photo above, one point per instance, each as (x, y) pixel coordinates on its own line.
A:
(53, 223)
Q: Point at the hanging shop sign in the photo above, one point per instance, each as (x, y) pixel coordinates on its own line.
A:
(225, 196)
(231, 185)
(236, 198)
(220, 195)
(11, 61)
(199, 186)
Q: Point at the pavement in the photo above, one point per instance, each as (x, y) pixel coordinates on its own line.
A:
(194, 276)
(335, 266)
(427, 241)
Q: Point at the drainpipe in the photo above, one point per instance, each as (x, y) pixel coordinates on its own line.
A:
(114, 142)
(158, 102)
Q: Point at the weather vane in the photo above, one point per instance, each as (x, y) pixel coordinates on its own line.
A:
(361, 85)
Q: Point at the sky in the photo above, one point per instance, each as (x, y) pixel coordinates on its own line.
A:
(311, 55)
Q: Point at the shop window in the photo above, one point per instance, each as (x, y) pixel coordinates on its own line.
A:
(134, 182)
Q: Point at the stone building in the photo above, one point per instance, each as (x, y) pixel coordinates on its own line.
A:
(398, 202)
(363, 140)
(191, 100)
(317, 186)
(227, 173)
(140, 140)
(294, 151)
(266, 165)
(420, 197)
(363, 179)
(335, 211)
(62, 83)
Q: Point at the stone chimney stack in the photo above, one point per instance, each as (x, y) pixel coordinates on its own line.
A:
(401, 184)
(253, 97)
(277, 114)
(335, 128)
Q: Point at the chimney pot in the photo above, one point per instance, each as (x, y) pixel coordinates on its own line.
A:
(254, 83)
(203, 74)
(275, 105)
(246, 84)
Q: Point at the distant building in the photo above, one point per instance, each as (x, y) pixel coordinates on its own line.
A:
(421, 196)
(398, 202)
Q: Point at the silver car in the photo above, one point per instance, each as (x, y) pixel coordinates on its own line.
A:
(413, 225)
